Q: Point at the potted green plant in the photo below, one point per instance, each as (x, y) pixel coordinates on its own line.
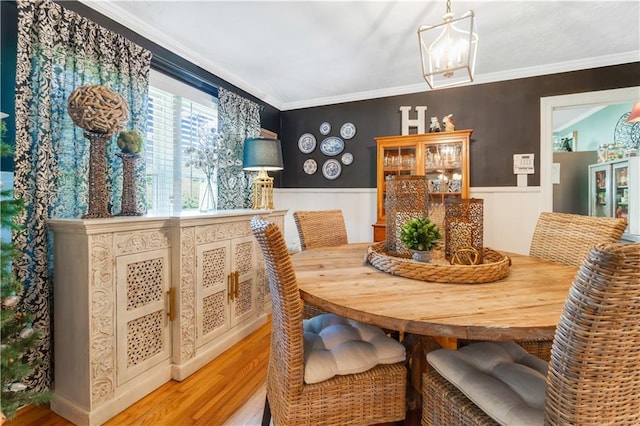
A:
(420, 235)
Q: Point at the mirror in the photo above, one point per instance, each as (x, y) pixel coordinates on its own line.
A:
(562, 105)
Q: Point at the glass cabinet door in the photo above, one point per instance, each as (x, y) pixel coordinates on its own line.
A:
(599, 190)
(620, 191)
(443, 170)
(397, 161)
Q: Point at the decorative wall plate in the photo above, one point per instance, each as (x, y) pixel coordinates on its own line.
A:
(325, 128)
(307, 143)
(331, 169)
(332, 146)
(627, 134)
(347, 158)
(310, 166)
(348, 130)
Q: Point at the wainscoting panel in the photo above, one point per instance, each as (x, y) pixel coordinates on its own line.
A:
(510, 213)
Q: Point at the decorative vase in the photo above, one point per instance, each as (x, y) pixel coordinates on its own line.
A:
(129, 205)
(208, 200)
(421, 256)
(98, 197)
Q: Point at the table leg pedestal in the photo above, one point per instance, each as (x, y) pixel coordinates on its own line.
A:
(417, 348)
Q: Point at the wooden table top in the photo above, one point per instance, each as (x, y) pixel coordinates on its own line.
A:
(525, 305)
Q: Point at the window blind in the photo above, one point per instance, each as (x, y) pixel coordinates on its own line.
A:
(178, 117)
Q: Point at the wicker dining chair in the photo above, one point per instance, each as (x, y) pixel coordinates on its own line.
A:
(376, 395)
(567, 238)
(319, 228)
(593, 377)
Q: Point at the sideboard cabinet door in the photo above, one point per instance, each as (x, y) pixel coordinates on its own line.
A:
(212, 290)
(142, 285)
(244, 300)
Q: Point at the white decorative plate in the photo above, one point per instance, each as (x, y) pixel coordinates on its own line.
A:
(347, 158)
(325, 128)
(310, 166)
(331, 169)
(348, 130)
(332, 146)
(307, 143)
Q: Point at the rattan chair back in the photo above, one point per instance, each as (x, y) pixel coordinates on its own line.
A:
(567, 238)
(286, 334)
(374, 396)
(594, 372)
(320, 228)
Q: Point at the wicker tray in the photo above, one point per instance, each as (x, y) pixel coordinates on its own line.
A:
(494, 267)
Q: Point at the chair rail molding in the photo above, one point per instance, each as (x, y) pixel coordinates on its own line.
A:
(505, 228)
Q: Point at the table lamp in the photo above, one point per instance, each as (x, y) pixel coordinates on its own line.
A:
(262, 155)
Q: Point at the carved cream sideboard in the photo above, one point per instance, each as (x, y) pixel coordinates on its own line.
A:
(141, 300)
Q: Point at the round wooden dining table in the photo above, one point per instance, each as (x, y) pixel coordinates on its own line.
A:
(525, 305)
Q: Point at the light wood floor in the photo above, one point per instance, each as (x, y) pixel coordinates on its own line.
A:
(228, 391)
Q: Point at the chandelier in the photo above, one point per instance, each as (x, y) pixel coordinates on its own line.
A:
(448, 50)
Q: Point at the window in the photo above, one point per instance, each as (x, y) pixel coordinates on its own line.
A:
(178, 117)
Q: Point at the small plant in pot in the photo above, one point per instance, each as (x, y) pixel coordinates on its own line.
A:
(420, 235)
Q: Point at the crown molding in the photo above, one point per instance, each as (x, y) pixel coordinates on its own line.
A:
(568, 66)
(113, 11)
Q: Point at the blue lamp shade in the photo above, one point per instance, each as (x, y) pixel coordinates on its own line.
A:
(262, 154)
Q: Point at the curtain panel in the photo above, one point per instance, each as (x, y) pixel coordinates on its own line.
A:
(238, 119)
(59, 51)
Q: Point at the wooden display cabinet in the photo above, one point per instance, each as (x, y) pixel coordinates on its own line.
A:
(442, 157)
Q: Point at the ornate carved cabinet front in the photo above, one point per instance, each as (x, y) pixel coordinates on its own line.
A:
(138, 301)
(111, 324)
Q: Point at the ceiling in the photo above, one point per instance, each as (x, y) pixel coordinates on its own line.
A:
(296, 54)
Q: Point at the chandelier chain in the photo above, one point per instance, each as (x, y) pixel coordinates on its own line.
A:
(448, 6)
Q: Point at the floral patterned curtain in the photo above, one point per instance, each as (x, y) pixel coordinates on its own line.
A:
(238, 119)
(59, 51)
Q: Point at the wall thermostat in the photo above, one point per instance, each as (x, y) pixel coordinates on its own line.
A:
(523, 164)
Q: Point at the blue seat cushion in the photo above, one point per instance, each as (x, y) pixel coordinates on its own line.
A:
(334, 345)
(501, 378)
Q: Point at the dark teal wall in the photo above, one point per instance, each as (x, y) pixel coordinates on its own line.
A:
(8, 43)
(504, 116)
(163, 60)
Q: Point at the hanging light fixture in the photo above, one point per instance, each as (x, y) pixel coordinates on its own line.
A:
(448, 50)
